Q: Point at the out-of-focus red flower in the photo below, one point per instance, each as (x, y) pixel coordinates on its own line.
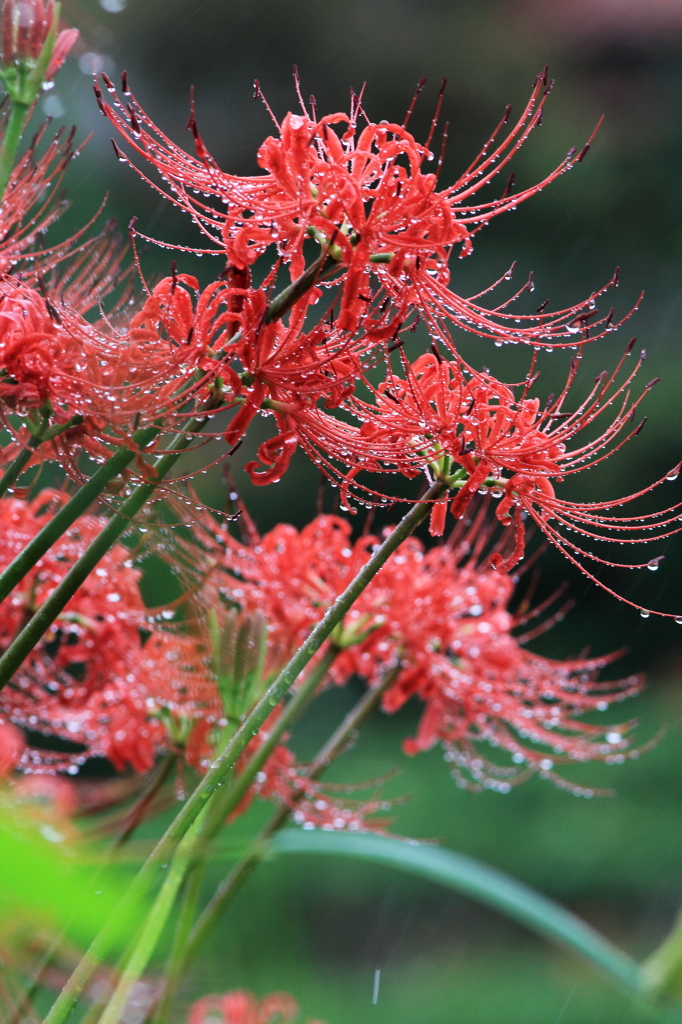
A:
(11, 747)
(106, 671)
(366, 197)
(25, 28)
(243, 1008)
(441, 618)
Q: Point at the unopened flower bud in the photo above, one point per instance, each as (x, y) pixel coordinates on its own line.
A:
(32, 49)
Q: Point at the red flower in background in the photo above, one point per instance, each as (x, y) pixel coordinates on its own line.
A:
(440, 620)
(106, 668)
(243, 1008)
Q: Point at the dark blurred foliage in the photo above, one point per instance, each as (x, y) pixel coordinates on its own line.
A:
(616, 860)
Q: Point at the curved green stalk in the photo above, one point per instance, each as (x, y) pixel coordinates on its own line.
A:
(223, 764)
(192, 849)
(478, 881)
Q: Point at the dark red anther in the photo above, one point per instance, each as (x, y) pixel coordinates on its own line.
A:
(124, 83)
(107, 81)
(507, 113)
(636, 432)
(100, 99)
(119, 156)
(652, 382)
(630, 345)
(134, 123)
(583, 153)
(543, 305)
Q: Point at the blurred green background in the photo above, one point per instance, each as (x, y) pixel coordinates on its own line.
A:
(321, 930)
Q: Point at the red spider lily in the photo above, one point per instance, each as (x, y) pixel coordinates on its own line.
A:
(153, 370)
(106, 672)
(243, 1008)
(25, 28)
(443, 616)
(365, 197)
(441, 417)
(89, 267)
(284, 365)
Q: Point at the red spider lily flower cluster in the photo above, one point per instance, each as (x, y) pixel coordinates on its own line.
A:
(116, 379)
(106, 669)
(309, 356)
(387, 230)
(365, 195)
(112, 680)
(440, 620)
(243, 1008)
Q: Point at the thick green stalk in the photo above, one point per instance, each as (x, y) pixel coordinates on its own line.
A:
(10, 143)
(23, 644)
(223, 764)
(299, 701)
(69, 513)
(662, 971)
(233, 882)
(176, 961)
(154, 924)
(188, 856)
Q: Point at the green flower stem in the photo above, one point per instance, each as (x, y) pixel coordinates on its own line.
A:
(69, 513)
(26, 640)
(299, 701)
(16, 123)
(191, 852)
(155, 922)
(233, 882)
(176, 961)
(662, 971)
(44, 433)
(223, 764)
